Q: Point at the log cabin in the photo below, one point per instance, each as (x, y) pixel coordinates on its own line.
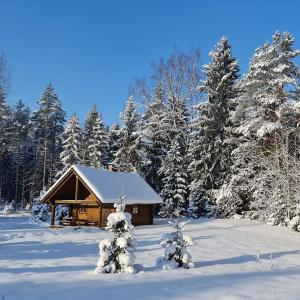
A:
(90, 194)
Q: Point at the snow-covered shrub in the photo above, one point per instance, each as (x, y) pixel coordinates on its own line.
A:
(14, 205)
(27, 207)
(39, 211)
(175, 244)
(117, 254)
(61, 212)
(294, 224)
(8, 209)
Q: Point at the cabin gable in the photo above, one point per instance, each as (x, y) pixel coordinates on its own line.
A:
(71, 189)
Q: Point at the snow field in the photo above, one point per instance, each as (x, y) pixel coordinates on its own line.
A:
(37, 263)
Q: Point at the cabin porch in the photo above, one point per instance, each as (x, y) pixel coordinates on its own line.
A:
(81, 212)
(84, 207)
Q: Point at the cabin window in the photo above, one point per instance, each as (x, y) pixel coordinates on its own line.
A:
(135, 210)
(82, 209)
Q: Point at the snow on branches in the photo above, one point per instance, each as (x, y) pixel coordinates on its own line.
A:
(39, 211)
(175, 245)
(8, 209)
(117, 253)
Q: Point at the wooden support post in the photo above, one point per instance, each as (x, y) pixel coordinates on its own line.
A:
(76, 189)
(53, 213)
(100, 216)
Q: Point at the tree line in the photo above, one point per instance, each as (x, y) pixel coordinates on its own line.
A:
(210, 141)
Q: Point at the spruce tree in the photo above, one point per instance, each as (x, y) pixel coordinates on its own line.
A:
(71, 144)
(114, 142)
(117, 253)
(209, 161)
(131, 157)
(259, 177)
(22, 150)
(98, 145)
(6, 157)
(154, 133)
(48, 122)
(175, 245)
(87, 133)
(95, 144)
(175, 185)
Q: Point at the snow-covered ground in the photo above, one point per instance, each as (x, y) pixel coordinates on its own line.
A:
(39, 263)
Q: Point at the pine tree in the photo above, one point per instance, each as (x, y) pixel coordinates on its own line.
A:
(208, 154)
(117, 254)
(71, 143)
(131, 157)
(175, 185)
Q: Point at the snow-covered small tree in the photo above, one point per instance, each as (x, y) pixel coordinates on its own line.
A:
(8, 209)
(71, 143)
(117, 253)
(27, 207)
(175, 245)
(61, 212)
(39, 211)
(294, 223)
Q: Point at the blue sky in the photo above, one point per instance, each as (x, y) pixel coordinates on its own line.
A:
(92, 50)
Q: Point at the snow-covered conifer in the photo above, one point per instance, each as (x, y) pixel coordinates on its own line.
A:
(71, 143)
(6, 155)
(39, 211)
(98, 144)
(262, 176)
(8, 209)
(209, 165)
(48, 126)
(131, 156)
(117, 253)
(175, 185)
(114, 142)
(95, 140)
(155, 135)
(22, 147)
(175, 245)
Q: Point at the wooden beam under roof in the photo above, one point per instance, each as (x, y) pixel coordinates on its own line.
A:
(76, 202)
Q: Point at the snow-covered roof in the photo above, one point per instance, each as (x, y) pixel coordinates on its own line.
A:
(107, 186)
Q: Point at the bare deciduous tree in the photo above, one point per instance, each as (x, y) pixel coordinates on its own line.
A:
(4, 74)
(180, 75)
